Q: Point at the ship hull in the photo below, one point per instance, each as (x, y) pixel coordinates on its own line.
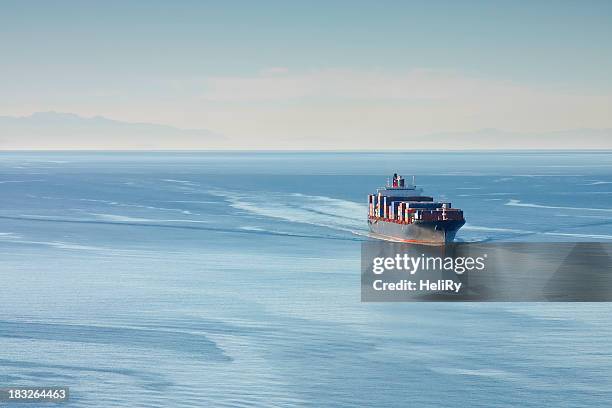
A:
(426, 232)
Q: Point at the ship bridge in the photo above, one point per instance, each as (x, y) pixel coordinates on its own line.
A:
(398, 188)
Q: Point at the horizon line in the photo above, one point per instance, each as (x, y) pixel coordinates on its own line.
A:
(213, 150)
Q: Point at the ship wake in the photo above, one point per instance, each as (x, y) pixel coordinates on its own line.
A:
(336, 214)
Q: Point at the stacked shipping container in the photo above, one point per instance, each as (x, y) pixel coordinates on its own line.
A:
(406, 212)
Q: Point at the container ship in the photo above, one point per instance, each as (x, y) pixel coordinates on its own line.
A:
(400, 212)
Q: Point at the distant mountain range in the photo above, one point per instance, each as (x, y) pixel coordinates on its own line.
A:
(66, 131)
(54, 130)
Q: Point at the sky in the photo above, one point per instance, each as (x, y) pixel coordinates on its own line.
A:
(310, 74)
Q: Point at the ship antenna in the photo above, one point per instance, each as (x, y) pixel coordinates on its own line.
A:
(413, 180)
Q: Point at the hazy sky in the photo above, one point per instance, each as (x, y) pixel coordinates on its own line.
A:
(299, 74)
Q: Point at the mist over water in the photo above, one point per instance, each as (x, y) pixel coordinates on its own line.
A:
(232, 279)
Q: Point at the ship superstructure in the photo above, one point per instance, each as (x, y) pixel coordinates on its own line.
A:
(399, 211)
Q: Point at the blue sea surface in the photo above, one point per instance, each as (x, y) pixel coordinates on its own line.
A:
(218, 279)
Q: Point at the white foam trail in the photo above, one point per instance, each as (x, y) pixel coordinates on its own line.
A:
(182, 220)
(482, 372)
(55, 244)
(518, 203)
(248, 228)
(485, 194)
(68, 245)
(91, 200)
(12, 238)
(120, 218)
(191, 201)
(596, 183)
(48, 217)
(518, 231)
(469, 227)
(124, 218)
(588, 236)
(185, 182)
(19, 181)
(176, 181)
(259, 229)
(341, 215)
(147, 207)
(9, 235)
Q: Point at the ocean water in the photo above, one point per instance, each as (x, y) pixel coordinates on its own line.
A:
(232, 280)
